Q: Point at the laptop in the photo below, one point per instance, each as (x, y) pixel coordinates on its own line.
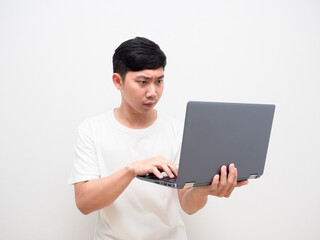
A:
(217, 134)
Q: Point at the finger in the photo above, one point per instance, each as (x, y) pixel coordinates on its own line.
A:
(173, 168)
(215, 182)
(232, 176)
(167, 170)
(156, 172)
(229, 182)
(232, 180)
(165, 164)
(223, 178)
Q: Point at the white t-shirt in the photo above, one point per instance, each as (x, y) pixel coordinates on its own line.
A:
(144, 210)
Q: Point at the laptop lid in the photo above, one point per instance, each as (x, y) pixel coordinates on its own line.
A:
(217, 134)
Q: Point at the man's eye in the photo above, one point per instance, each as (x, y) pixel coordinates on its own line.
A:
(143, 82)
(159, 81)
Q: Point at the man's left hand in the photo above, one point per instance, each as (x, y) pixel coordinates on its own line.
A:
(223, 185)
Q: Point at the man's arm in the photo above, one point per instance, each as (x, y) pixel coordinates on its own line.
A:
(193, 199)
(98, 193)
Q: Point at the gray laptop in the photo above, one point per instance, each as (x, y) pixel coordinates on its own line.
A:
(217, 134)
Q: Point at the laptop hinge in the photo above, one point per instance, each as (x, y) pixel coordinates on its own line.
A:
(189, 185)
(253, 176)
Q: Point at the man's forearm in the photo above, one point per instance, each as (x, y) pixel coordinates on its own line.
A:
(98, 193)
(192, 200)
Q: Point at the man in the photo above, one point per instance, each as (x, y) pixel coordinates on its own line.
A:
(136, 139)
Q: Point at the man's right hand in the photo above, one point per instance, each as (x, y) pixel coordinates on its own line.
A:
(154, 165)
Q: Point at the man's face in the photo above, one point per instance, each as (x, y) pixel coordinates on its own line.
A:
(142, 90)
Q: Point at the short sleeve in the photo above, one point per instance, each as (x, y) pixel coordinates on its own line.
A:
(85, 165)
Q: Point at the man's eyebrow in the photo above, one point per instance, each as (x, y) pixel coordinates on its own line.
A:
(148, 78)
(143, 77)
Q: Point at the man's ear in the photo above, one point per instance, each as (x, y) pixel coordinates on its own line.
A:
(117, 81)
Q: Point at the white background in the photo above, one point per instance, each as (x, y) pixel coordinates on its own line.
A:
(55, 71)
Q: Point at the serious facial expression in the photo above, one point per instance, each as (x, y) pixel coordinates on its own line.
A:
(142, 90)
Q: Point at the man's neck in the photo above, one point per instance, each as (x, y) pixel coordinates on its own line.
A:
(133, 119)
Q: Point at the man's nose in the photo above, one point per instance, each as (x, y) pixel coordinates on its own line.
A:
(151, 91)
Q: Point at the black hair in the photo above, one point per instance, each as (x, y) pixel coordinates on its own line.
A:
(137, 54)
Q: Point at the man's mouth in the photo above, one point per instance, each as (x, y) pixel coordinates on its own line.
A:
(149, 104)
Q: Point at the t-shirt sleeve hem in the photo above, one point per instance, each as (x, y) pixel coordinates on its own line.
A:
(81, 179)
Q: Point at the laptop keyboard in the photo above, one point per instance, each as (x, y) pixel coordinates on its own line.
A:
(170, 180)
(165, 178)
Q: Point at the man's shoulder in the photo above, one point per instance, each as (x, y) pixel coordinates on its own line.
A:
(97, 120)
